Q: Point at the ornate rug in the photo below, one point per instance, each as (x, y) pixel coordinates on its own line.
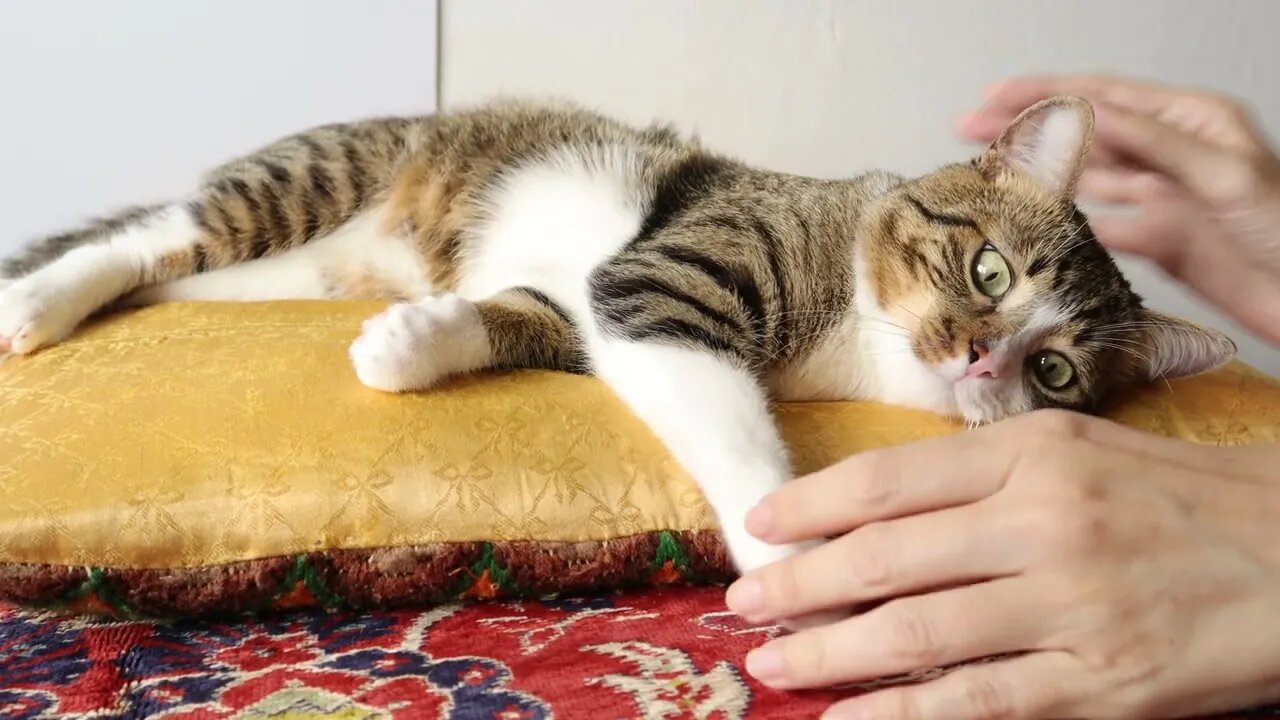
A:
(666, 653)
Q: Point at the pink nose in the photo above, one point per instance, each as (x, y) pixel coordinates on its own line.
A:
(982, 362)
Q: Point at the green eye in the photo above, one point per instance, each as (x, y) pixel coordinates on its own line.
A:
(1052, 369)
(991, 273)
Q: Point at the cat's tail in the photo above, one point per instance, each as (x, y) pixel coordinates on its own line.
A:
(44, 251)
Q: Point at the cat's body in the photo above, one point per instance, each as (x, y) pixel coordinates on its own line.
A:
(529, 236)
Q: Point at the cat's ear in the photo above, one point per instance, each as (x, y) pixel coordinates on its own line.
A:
(1177, 348)
(1049, 142)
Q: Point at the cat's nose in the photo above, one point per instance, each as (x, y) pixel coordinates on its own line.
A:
(977, 350)
(982, 363)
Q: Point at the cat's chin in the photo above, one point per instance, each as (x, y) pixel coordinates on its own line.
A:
(943, 388)
(978, 401)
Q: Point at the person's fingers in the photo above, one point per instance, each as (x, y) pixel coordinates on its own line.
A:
(906, 635)
(1120, 186)
(1003, 101)
(1104, 158)
(1138, 95)
(1219, 176)
(986, 127)
(983, 125)
(1027, 687)
(1217, 119)
(886, 483)
(1217, 271)
(1144, 234)
(1235, 282)
(914, 478)
(881, 560)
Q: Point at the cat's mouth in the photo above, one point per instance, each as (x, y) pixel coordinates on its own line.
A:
(977, 397)
(953, 370)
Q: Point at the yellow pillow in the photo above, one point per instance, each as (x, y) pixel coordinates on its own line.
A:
(208, 457)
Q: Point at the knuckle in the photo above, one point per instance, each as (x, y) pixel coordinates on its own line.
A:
(1052, 470)
(1232, 107)
(903, 706)
(1073, 485)
(1075, 530)
(867, 559)
(782, 585)
(986, 700)
(811, 658)
(1239, 178)
(1057, 423)
(1260, 170)
(894, 704)
(1217, 100)
(1149, 186)
(875, 483)
(914, 639)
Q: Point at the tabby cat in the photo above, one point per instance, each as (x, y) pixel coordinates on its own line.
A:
(536, 236)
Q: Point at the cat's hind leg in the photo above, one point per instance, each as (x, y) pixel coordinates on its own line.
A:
(44, 306)
(282, 197)
(412, 346)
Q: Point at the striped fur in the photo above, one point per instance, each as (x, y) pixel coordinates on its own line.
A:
(537, 236)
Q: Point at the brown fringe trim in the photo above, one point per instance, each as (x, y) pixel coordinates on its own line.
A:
(384, 578)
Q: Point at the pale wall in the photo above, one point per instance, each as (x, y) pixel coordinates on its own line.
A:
(834, 88)
(128, 101)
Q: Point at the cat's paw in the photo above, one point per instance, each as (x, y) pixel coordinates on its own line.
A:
(412, 346)
(749, 553)
(36, 314)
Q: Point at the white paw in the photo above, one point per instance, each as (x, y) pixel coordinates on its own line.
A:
(749, 554)
(413, 345)
(36, 312)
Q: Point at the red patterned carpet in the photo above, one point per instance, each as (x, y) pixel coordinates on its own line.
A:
(671, 653)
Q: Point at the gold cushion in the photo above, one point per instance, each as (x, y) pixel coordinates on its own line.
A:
(195, 435)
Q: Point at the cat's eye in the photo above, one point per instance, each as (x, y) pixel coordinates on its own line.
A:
(1052, 369)
(990, 273)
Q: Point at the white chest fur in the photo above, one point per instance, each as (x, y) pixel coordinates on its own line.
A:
(548, 224)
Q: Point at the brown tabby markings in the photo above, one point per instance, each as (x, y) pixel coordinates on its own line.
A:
(528, 330)
(749, 264)
(44, 251)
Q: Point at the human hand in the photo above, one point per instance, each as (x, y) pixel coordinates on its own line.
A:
(1202, 177)
(1130, 575)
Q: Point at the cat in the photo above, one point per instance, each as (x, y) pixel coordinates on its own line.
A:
(526, 235)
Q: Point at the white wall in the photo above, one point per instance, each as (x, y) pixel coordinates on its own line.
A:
(833, 88)
(104, 103)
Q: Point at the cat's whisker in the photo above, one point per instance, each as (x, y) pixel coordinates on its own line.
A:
(1062, 252)
(884, 331)
(1129, 351)
(908, 311)
(1057, 240)
(860, 318)
(795, 342)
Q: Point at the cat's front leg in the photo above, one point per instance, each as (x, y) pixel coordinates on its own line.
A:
(714, 418)
(412, 346)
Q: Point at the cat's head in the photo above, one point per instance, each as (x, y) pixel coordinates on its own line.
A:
(985, 294)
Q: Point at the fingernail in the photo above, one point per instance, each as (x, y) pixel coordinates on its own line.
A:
(745, 597)
(759, 520)
(765, 663)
